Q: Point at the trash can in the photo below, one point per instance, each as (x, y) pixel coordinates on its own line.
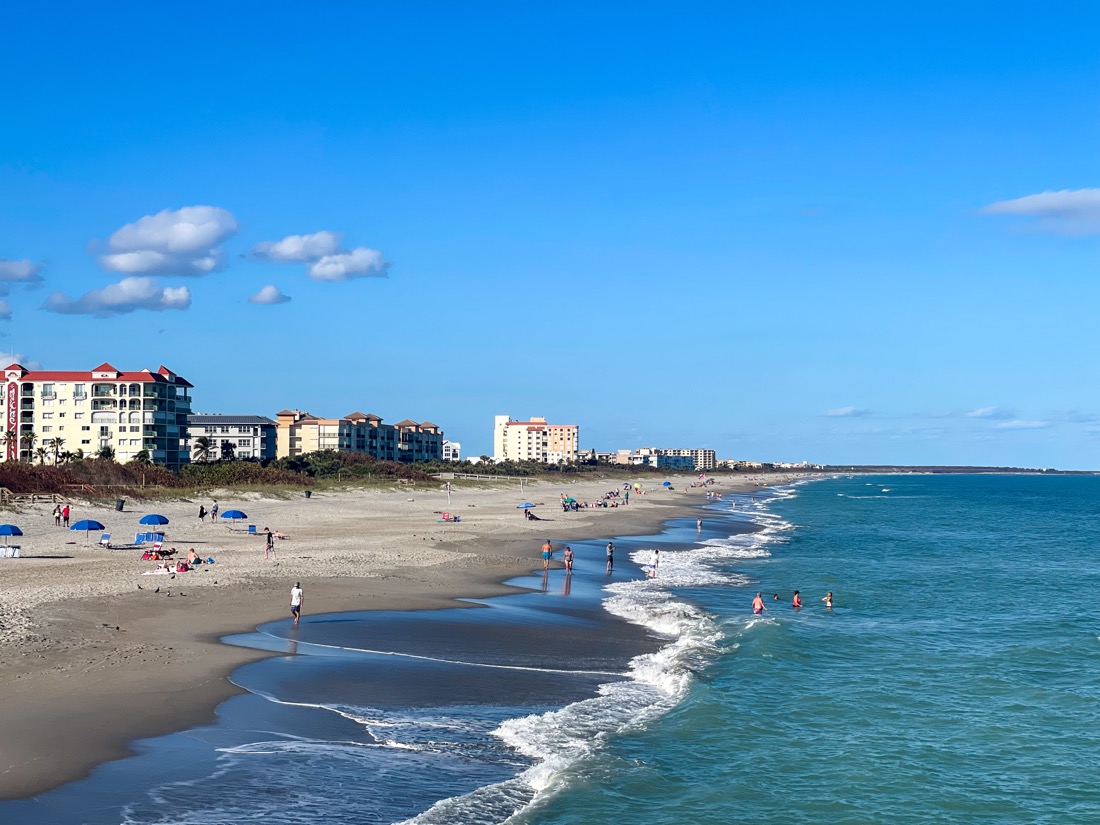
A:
(308, 493)
(119, 504)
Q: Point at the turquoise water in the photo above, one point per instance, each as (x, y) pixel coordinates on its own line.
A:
(955, 679)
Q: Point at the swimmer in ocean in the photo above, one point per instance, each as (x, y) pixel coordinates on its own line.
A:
(758, 605)
(828, 600)
(796, 602)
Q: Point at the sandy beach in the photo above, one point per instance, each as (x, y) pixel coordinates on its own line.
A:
(94, 653)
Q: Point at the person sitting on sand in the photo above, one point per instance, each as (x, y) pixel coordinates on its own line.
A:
(193, 557)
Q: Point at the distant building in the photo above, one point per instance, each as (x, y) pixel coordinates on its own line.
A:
(452, 450)
(251, 436)
(534, 440)
(298, 433)
(419, 442)
(70, 411)
(698, 460)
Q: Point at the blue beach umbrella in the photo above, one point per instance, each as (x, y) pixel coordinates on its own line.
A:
(234, 515)
(668, 484)
(87, 525)
(525, 506)
(153, 518)
(10, 530)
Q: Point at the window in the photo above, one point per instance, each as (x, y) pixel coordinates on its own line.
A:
(47, 416)
(86, 441)
(76, 415)
(48, 390)
(47, 429)
(79, 390)
(85, 428)
(62, 415)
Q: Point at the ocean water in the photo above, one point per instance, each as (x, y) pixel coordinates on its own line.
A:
(955, 679)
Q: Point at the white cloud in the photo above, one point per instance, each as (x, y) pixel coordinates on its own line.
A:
(1066, 212)
(24, 271)
(847, 412)
(270, 294)
(127, 295)
(5, 310)
(1017, 424)
(989, 412)
(183, 241)
(10, 358)
(344, 266)
(298, 248)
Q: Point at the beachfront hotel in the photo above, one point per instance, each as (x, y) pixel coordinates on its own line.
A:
(452, 450)
(534, 440)
(242, 436)
(699, 460)
(298, 433)
(71, 411)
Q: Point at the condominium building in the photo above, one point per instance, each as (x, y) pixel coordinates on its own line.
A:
(452, 450)
(298, 433)
(655, 457)
(250, 436)
(704, 459)
(534, 440)
(71, 411)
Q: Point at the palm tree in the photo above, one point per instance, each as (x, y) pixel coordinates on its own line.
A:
(141, 457)
(41, 454)
(10, 437)
(56, 444)
(107, 453)
(201, 448)
(28, 440)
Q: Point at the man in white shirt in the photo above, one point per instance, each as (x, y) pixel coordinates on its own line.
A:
(296, 598)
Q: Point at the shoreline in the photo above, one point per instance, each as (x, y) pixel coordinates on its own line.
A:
(94, 673)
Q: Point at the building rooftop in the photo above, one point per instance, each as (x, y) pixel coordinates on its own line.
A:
(219, 418)
(163, 376)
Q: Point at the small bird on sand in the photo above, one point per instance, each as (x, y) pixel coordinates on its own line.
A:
(157, 590)
(140, 587)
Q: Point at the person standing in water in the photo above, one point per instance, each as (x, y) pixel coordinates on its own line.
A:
(296, 599)
(547, 549)
(610, 556)
(698, 525)
(654, 563)
(758, 606)
(796, 602)
(828, 600)
(567, 554)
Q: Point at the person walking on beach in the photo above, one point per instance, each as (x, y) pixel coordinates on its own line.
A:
(654, 563)
(202, 514)
(65, 515)
(214, 511)
(758, 606)
(828, 600)
(269, 546)
(57, 515)
(610, 556)
(626, 496)
(296, 599)
(547, 550)
(796, 602)
(567, 554)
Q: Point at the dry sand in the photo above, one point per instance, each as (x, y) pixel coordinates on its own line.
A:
(93, 656)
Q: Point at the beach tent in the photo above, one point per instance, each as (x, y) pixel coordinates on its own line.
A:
(525, 506)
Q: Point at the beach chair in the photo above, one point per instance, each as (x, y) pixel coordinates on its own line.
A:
(252, 529)
(105, 540)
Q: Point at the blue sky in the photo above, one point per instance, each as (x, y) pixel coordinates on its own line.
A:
(844, 232)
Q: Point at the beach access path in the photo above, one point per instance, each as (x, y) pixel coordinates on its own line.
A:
(94, 654)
